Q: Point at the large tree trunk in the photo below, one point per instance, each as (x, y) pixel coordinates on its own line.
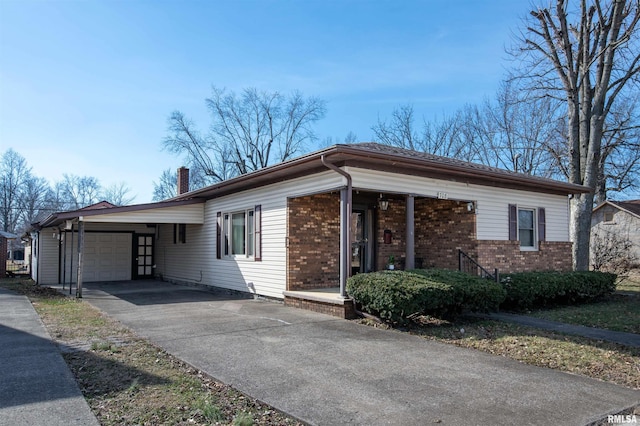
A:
(580, 229)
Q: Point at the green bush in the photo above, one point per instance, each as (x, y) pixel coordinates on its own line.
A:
(395, 295)
(528, 290)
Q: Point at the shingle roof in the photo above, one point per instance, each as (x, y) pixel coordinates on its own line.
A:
(632, 206)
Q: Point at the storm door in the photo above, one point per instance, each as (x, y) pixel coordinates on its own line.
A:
(143, 256)
(361, 249)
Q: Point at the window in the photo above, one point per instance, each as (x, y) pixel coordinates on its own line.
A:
(238, 234)
(527, 225)
(608, 217)
(526, 228)
(179, 233)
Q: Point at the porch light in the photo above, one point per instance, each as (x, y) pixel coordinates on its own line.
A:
(471, 206)
(383, 203)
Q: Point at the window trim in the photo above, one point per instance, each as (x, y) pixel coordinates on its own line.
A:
(533, 230)
(539, 225)
(179, 233)
(251, 233)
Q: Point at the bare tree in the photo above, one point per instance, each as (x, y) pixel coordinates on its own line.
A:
(33, 200)
(619, 163)
(117, 194)
(588, 57)
(248, 131)
(14, 172)
(167, 186)
(78, 191)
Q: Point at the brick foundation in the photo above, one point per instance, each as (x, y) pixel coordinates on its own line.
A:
(343, 310)
(313, 235)
(507, 256)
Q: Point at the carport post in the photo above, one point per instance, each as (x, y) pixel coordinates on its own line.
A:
(80, 260)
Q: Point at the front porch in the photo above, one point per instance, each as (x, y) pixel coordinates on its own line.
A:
(331, 236)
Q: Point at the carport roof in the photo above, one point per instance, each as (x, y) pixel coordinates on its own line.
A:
(57, 218)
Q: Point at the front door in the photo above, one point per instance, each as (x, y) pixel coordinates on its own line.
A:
(359, 242)
(142, 256)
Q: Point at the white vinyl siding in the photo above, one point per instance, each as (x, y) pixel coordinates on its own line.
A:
(492, 215)
(47, 269)
(196, 260)
(191, 213)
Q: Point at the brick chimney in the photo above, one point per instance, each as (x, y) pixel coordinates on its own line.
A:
(183, 180)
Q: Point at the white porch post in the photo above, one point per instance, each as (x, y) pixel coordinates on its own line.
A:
(410, 243)
(345, 238)
(80, 256)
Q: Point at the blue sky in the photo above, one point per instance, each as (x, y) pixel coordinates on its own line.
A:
(86, 86)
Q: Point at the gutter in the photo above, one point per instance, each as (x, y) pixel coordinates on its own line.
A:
(345, 226)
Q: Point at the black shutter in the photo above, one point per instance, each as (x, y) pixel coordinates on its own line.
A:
(542, 224)
(513, 222)
(257, 217)
(175, 233)
(219, 235)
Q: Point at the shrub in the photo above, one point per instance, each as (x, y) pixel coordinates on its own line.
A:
(528, 290)
(396, 295)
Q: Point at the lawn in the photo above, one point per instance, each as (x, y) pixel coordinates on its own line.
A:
(127, 380)
(600, 360)
(618, 313)
(630, 284)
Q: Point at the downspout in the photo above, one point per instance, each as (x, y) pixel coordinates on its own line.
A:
(345, 227)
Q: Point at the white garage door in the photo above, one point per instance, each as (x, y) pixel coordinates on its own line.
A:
(107, 256)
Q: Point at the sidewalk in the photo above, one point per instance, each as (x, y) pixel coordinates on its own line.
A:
(36, 386)
(628, 339)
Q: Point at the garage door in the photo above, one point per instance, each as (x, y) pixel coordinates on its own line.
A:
(107, 257)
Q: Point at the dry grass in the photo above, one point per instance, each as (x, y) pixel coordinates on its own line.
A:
(630, 284)
(127, 380)
(600, 360)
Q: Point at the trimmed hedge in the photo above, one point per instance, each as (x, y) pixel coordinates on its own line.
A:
(528, 290)
(395, 295)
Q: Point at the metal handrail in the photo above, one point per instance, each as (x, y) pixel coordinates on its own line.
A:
(468, 265)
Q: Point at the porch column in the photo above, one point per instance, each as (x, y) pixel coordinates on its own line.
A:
(80, 260)
(410, 243)
(345, 239)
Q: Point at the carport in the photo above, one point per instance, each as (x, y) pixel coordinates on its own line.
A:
(103, 242)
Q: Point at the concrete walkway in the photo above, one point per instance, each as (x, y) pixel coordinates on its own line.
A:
(36, 386)
(327, 371)
(628, 339)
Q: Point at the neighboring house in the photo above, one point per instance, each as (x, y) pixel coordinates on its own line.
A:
(617, 222)
(292, 229)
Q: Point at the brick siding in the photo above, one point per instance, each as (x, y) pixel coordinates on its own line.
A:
(313, 231)
(441, 228)
(507, 256)
(345, 310)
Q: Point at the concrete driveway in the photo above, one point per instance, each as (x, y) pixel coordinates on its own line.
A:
(328, 371)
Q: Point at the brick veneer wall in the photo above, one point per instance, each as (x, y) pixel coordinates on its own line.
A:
(441, 228)
(313, 230)
(345, 310)
(507, 256)
(393, 219)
